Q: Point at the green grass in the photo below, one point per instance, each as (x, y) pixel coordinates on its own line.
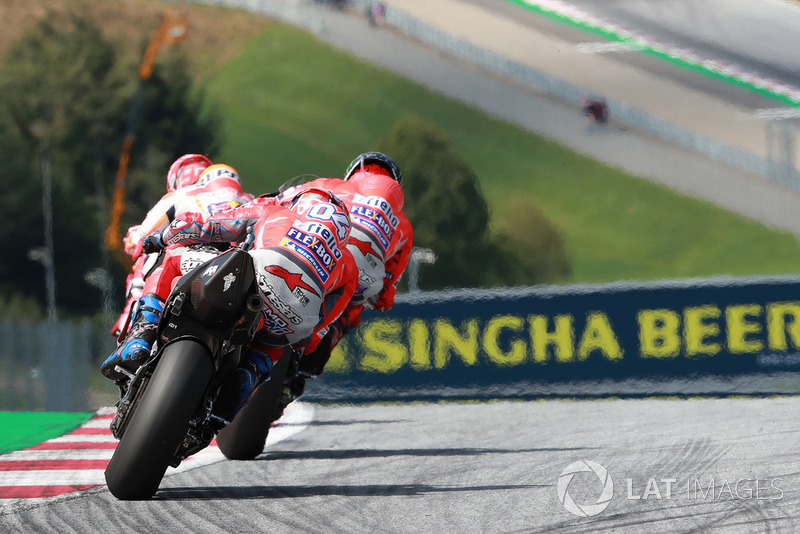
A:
(293, 105)
(26, 429)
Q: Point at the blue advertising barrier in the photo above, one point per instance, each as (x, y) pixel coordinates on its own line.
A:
(711, 336)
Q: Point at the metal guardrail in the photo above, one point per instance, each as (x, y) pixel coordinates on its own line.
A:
(779, 167)
(45, 366)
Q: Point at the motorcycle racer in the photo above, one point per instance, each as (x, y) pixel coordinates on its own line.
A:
(305, 274)
(381, 239)
(194, 185)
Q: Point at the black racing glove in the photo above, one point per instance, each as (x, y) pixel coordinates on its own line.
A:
(153, 243)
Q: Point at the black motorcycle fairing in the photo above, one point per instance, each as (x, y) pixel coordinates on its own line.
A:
(217, 304)
(218, 289)
(223, 329)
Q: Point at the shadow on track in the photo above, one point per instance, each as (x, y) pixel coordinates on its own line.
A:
(385, 453)
(290, 492)
(344, 422)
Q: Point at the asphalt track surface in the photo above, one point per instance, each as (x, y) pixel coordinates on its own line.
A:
(758, 35)
(719, 30)
(481, 468)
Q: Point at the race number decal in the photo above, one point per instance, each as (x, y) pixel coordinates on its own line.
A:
(326, 212)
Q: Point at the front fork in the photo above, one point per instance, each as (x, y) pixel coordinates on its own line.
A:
(129, 396)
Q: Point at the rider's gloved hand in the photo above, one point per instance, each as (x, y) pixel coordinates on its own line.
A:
(152, 243)
(383, 300)
(132, 243)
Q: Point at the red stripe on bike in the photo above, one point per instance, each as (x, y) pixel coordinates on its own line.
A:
(49, 465)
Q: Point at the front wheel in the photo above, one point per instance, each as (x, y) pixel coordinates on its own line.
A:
(246, 436)
(160, 421)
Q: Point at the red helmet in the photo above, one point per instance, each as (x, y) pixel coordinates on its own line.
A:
(375, 162)
(186, 170)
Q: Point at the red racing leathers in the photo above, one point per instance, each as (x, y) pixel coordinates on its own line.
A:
(381, 239)
(218, 189)
(383, 231)
(305, 278)
(381, 236)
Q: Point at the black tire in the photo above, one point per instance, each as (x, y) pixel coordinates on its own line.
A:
(246, 436)
(159, 424)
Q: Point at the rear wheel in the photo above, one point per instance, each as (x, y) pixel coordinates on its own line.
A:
(246, 436)
(159, 423)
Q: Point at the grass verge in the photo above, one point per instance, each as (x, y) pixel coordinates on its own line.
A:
(26, 429)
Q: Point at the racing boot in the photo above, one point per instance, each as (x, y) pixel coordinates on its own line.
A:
(135, 350)
(254, 370)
